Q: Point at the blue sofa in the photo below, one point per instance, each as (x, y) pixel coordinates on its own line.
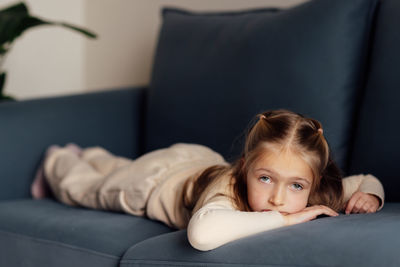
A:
(335, 60)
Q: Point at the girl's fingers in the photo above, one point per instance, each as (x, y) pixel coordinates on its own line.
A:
(308, 214)
(366, 207)
(359, 205)
(328, 211)
(362, 203)
(353, 200)
(321, 209)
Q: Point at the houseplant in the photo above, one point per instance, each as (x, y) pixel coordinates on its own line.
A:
(14, 20)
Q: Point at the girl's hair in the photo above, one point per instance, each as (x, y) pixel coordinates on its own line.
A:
(289, 130)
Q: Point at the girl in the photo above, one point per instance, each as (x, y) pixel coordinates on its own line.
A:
(284, 176)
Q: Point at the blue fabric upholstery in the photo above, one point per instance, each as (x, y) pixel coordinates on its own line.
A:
(112, 119)
(214, 71)
(376, 142)
(59, 235)
(347, 240)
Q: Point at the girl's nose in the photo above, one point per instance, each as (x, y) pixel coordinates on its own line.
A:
(278, 196)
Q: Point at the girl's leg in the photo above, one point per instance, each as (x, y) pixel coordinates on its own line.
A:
(40, 188)
(74, 148)
(104, 161)
(73, 180)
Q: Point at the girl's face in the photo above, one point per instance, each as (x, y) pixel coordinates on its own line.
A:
(279, 181)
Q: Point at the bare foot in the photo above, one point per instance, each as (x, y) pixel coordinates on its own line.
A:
(52, 149)
(39, 188)
(74, 148)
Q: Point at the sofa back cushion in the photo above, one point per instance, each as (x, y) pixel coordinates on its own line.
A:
(110, 119)
(213, 72)
(376, 141)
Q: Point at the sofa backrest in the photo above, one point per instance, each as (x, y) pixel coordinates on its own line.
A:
(377, 136)
(110, 119)
(213, 72)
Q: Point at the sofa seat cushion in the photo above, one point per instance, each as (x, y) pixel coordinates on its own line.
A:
(49, 233)
(213, 71)
(347, 240)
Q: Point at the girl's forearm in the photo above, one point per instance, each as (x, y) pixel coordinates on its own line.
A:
(211, 228)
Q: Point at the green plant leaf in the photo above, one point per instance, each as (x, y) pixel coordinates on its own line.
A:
(79, 29)
(2, 81)
(3, 97)
(10, 19)
(19, 8)
(15, 20)
(6, 97)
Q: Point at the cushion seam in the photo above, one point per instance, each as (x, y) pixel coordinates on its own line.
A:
(59, 244)
(185, 263)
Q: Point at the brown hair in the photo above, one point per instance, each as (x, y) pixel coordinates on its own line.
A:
(290, 130)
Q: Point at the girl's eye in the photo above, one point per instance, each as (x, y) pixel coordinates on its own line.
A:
(265, 179)
(298, 187)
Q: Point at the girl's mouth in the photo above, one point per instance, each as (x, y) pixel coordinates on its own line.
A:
(266, 210)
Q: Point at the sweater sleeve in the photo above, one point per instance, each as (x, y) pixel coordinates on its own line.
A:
(218, 223)
(363, 183)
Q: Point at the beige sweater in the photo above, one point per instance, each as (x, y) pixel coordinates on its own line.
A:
(151, 186)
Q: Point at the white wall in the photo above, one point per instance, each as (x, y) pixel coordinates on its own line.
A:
(49, 61)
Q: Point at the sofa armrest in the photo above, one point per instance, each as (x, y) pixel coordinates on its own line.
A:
(111, 119)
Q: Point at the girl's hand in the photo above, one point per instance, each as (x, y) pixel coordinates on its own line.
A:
(308, 214)
(361, 202)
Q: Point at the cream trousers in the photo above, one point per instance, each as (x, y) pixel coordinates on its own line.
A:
(100, 180)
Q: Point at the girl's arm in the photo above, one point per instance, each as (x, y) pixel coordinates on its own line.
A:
(218, 223)
(367, 184)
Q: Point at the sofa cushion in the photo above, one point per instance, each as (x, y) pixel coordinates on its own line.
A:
(347, 240)
(214, 71)
(376, 142)
(48, 233)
